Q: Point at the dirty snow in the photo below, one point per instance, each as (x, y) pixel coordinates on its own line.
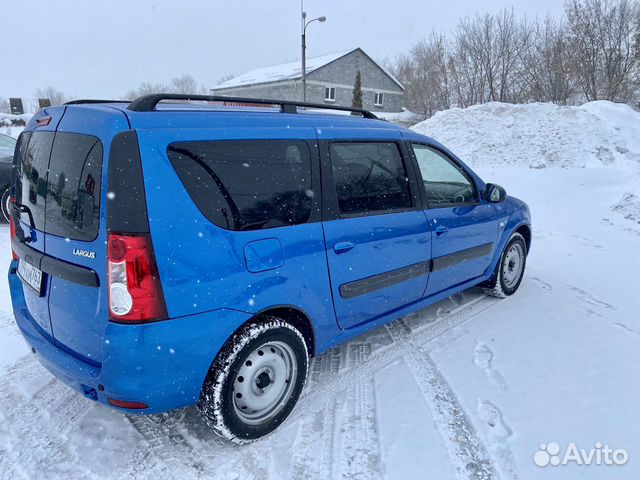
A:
(468, 388)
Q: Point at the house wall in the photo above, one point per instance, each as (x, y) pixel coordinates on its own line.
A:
(339, 74)
(275, 91)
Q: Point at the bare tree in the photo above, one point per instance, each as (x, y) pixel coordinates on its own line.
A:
(146, 88)
(225, 78)
(602, 35)
(186, 84)
(593, 53)
(545, 68)
(55, 96)
(425, 75)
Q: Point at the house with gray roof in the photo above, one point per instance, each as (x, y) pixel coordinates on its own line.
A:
(330, 80)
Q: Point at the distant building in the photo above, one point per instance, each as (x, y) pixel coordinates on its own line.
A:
(330, 80)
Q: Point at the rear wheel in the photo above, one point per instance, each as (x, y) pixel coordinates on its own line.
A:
(510, 268)
(5, 196)
(255, 381)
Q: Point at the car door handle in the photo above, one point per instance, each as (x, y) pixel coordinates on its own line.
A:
(441, 230)
(342, 247)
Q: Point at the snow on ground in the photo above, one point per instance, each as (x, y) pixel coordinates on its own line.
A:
(468, 388)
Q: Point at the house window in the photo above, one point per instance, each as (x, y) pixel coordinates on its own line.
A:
(379, 99)
(330, 94)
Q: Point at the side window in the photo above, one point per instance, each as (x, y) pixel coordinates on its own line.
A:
(369, 177)
(444, 182)
(249, 184)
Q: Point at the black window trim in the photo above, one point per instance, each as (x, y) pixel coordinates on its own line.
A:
(315, 216)
(330, 207)
(455, 163)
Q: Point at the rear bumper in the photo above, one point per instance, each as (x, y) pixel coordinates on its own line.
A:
(161, 364)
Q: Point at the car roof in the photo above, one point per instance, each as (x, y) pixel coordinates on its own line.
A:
(194, 116)
(184, 116)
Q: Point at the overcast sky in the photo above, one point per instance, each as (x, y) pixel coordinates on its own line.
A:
(103, 49)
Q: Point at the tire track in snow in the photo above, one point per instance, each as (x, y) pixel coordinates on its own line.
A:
(469, 455)
(177, 444)
(313, 446)
(165, 451)
(331, 385)
(360, 445)
(38, 426)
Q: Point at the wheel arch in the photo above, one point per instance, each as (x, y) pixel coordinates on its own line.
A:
(295, 317)
(525, 231)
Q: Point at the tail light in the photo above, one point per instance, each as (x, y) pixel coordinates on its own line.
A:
(12, 226)
(135, 292)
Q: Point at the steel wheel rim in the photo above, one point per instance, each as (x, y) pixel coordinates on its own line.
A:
(264, 383)
(513, 265)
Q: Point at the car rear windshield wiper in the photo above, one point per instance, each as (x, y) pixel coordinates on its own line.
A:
(20, 208)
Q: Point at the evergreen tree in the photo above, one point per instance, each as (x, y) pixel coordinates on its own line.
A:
(357, 91)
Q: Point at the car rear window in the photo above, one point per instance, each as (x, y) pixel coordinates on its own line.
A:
(248, 184)
(59, 179)
(73, 193)
(31, 175)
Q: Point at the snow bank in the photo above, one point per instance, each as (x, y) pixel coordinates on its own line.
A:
(405, 117)
(539, 135)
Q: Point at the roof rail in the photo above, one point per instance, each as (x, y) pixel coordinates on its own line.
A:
(83, 101)
(148, 103)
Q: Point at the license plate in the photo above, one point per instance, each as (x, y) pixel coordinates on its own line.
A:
(31, 276)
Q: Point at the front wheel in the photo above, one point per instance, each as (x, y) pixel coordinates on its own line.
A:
(5, 195)
(510, 269)
(255, 381)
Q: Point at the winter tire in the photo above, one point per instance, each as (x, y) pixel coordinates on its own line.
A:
(255, 381)
(4, 217)
(510, 269)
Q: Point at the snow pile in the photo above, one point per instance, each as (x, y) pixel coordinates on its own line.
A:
(7, 119)
(539, 135)
(405, 117)
(629, 207)
(13, 125)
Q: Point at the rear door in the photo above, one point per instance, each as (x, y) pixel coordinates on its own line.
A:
(464, 228)
(75, 224)
(377, 238)
(59, 203)
(72, 222)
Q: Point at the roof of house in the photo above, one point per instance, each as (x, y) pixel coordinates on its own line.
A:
(289, 71)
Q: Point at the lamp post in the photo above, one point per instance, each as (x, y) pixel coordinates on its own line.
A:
(304, 25)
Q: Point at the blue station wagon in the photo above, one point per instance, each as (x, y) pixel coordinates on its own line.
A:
(179, 250)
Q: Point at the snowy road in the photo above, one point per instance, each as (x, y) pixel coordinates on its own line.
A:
(467, 389)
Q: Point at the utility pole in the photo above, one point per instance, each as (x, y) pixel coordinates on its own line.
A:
(304, 24)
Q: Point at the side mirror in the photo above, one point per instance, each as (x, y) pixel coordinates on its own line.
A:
(494, 193)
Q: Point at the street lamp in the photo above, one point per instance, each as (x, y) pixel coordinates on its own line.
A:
(305, 24)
